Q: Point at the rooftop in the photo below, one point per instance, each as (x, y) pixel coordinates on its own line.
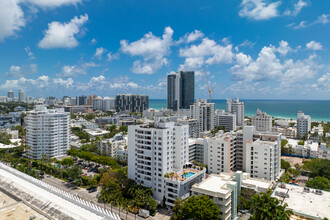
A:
(215, 183)
(304, 203)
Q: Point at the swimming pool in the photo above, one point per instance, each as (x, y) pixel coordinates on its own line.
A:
(188, 175)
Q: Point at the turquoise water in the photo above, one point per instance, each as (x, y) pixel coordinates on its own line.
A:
(318, 110)
(188, 175)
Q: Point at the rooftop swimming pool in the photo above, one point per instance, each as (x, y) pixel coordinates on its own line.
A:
(188, 175)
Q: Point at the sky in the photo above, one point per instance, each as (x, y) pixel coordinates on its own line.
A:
(252, 49)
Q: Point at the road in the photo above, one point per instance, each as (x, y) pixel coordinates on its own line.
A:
(92, 197)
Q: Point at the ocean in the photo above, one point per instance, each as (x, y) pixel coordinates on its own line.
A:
(318, 110)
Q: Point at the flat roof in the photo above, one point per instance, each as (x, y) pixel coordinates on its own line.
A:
(305, 203)
(215, 184)
(257, 183)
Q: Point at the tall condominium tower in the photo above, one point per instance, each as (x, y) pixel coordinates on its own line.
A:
(131, 103)
(261, 121)
(303, 124)
(21, 96)
(47, 132)
(10, 94)
(81, 100)
(236, 107)
(204, 113)
(180, 90)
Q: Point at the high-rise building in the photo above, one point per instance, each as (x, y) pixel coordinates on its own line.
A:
(132, 103)
(81, 100)
(180, 90)
(236, 107)
(225, 119)
(258, 153)
(21, 96)
(90, 99)
(108, 104)
(303, 124)
(97, 103)
(159, 158)
(204, 113)
(10, 94)
(47, 132)
(221, 153)
(261, 121)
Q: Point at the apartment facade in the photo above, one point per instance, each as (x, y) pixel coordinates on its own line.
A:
(204, 113)
(261, 121)
(225, 119)
(131, 103)
(236, 107)
(47, 132)
(303, 124)
(221, 153)
(157, 150)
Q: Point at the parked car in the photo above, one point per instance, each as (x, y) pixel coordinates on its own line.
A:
(93, 189)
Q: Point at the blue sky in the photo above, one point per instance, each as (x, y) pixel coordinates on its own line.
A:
(252, 49)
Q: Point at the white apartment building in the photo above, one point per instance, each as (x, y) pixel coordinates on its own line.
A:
(159, 150)
(204, 113)
(47, 132)
(236, 107)
(323, 152)
(225, 119)
(303, 124)
(260, 149)
(263, 158)
(121, 152)
(221, 153)
(193, 126)
(198, 150)
(261, 121)
(108, 146)
(97, 103)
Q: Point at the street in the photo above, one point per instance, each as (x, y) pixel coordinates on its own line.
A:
(92, 197)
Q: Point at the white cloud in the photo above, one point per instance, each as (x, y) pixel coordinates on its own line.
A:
(297, 8)
(265, 67)
(11, 18)
(93, 41)
(313, 45)
(62, 82)
(99, 52)
(18, 71)
(323, 19)
(53, 3)
(284, 48)
(207, 52)
(111, 56)
(323, 83)
(190, 37)
(62, 35)
(26, 84)
(153, 50)
(29, 52)
(259, 9)
(75, 70)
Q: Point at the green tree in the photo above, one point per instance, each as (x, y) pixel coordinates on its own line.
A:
(285, 165)
(319, 183)
(196, 208)
(68, 161)
(318, 167)
(265, 207)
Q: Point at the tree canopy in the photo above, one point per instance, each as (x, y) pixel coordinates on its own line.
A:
(318, 167)
(197, 208)
(285, 165)
(319, 183)
(265, 207)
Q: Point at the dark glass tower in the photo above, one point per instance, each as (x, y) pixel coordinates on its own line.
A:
(180, 90)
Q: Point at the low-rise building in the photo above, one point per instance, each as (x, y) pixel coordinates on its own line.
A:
(96, 132)
(11, 119)
(324, 152)
(306, 203)
(261, 121)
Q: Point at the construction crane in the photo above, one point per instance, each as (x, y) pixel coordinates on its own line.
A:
(208, 87)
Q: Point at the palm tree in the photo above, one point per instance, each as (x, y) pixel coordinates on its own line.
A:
(185, 175)
(263, 206)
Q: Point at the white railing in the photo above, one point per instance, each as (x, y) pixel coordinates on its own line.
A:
(63, 194)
